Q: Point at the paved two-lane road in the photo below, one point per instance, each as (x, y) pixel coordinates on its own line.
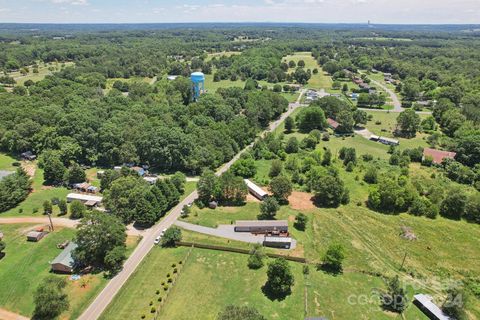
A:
(101, 302)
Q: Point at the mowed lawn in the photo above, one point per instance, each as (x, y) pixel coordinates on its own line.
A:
(212, 280)
(6, 162)
(33, 205)
(134, 298)
(387, 122)
(317, 81)
(25, 265)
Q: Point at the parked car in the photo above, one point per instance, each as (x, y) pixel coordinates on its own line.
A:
(157, 240)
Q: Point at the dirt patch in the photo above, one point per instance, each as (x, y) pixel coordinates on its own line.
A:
(46, 187)
(8, 315)
(29, 168)
(251, 198)
(301, 201)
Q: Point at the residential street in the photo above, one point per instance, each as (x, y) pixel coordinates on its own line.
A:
(114, 285)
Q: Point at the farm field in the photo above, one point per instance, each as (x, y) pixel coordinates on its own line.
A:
(26, 264)
(43, 71)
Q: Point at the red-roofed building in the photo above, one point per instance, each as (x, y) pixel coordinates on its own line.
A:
(438, 155)
(333, 124)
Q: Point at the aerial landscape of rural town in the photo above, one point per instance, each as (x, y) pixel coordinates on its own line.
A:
(216, 161)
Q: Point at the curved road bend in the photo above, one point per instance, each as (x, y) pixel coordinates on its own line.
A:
(106, 296)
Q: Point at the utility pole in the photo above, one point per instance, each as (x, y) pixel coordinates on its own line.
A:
(51, 223)
(403, 262)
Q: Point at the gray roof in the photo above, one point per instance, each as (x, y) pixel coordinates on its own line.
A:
(427, 302)
(261, 223)
(4, 173)
(65, 257)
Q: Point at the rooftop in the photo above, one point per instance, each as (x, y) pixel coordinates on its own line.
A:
(255, 188)
(261, 223)
(65, 257)
(334, 124)
(427, 303)
(438, 155)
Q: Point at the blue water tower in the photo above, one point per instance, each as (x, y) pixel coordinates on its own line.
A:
(198, 79)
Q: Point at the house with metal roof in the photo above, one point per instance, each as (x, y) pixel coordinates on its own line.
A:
(277, 242)
(86, 199)
(431, 310)
(64, 263)
(255, 190)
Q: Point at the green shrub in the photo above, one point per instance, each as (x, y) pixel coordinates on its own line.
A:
(153, 310)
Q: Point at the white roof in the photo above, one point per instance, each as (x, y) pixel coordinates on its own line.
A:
(389, 139)
(254, 188)
(374, 137)
(278, 239)
(150, 179)
(426, 301)
(83, 197)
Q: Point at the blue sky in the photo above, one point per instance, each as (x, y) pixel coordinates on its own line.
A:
(323, 11)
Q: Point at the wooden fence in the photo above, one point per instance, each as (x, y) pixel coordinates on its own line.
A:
(237, 250)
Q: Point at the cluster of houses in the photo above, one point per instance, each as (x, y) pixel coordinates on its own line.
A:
(311, 95)
(388, 78)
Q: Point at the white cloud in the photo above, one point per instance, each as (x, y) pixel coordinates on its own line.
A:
(72, 2)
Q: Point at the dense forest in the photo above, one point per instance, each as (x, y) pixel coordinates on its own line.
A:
(72, 113)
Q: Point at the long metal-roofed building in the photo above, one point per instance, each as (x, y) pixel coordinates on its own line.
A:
(255, 190)
(261, 226)
(88, 200)
(431, 310)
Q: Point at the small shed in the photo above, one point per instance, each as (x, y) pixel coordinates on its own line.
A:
(431, 310)
(150, 180)
(255, 190)
(333, 124)
(35, 236)
(139, 170)
(64, 263)
(277, 242)
(374, 137)
(261, 226)
(28, 156)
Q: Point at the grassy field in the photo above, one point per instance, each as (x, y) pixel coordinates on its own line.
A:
(33, 204)
(221, 54)
(317, 81)
(134, 298)
(387, 123)
(6, 162)
(211, 280)
(26, 264)
(43, 71)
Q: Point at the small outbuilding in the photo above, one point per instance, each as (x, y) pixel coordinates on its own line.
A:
(28, 156)
(36, 235)
(261, 226)
(277, 242)
(64, 263)
(438, 155)
(333, 124)
(255, 190)
(431, 310)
